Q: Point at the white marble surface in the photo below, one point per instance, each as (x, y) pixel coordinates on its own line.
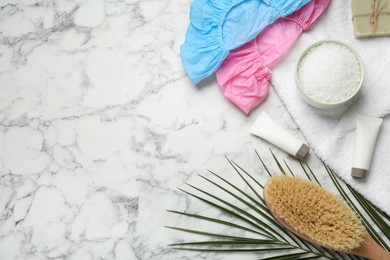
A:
(100, 125)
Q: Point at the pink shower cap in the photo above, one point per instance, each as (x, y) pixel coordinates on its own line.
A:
(245, 74)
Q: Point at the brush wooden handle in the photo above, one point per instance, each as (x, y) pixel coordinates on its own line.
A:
(371, 250)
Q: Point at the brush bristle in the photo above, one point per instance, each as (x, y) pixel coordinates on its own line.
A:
(315, 213)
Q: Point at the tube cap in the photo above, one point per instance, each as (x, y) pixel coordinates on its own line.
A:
(358, 173)
(302, 152)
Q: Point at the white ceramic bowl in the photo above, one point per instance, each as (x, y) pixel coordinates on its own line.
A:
(315, 103)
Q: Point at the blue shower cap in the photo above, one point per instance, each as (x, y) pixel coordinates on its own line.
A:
(218, 26)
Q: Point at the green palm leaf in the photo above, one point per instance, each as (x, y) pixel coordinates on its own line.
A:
(235, 250)
(290, 256)
(371, 230)
(226, 223)
(231, 212)
(230, 243)
(372, 212)
(235, 238)
(245, 204)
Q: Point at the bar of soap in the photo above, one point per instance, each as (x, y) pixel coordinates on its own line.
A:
(362, 11)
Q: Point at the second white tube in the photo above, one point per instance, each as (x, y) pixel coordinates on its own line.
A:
(367, 129)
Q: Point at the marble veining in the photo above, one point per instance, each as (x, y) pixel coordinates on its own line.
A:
(99, 125)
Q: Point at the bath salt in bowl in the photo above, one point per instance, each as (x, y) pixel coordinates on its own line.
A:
(329, 74)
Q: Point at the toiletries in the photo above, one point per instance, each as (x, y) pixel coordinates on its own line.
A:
(367, 129)
(371, 18)
(269, 130)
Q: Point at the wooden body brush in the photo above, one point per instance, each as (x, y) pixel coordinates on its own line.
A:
(318, 216)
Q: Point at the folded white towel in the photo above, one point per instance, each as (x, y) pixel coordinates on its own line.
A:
(332, 135)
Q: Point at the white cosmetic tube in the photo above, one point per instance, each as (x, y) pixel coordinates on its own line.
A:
(367, 129)
(269, 130)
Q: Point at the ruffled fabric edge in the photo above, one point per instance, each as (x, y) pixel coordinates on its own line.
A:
(309, 13)
(243, 78)
(287, 7)
(203, 50)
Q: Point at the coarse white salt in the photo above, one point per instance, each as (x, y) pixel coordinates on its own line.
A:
(329, 73)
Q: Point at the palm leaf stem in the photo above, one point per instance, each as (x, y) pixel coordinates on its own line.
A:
(286, 257)
(233, 250)
(239, 241)
(328, 251)
(256, 249)
(229, 242)
(307, 258)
